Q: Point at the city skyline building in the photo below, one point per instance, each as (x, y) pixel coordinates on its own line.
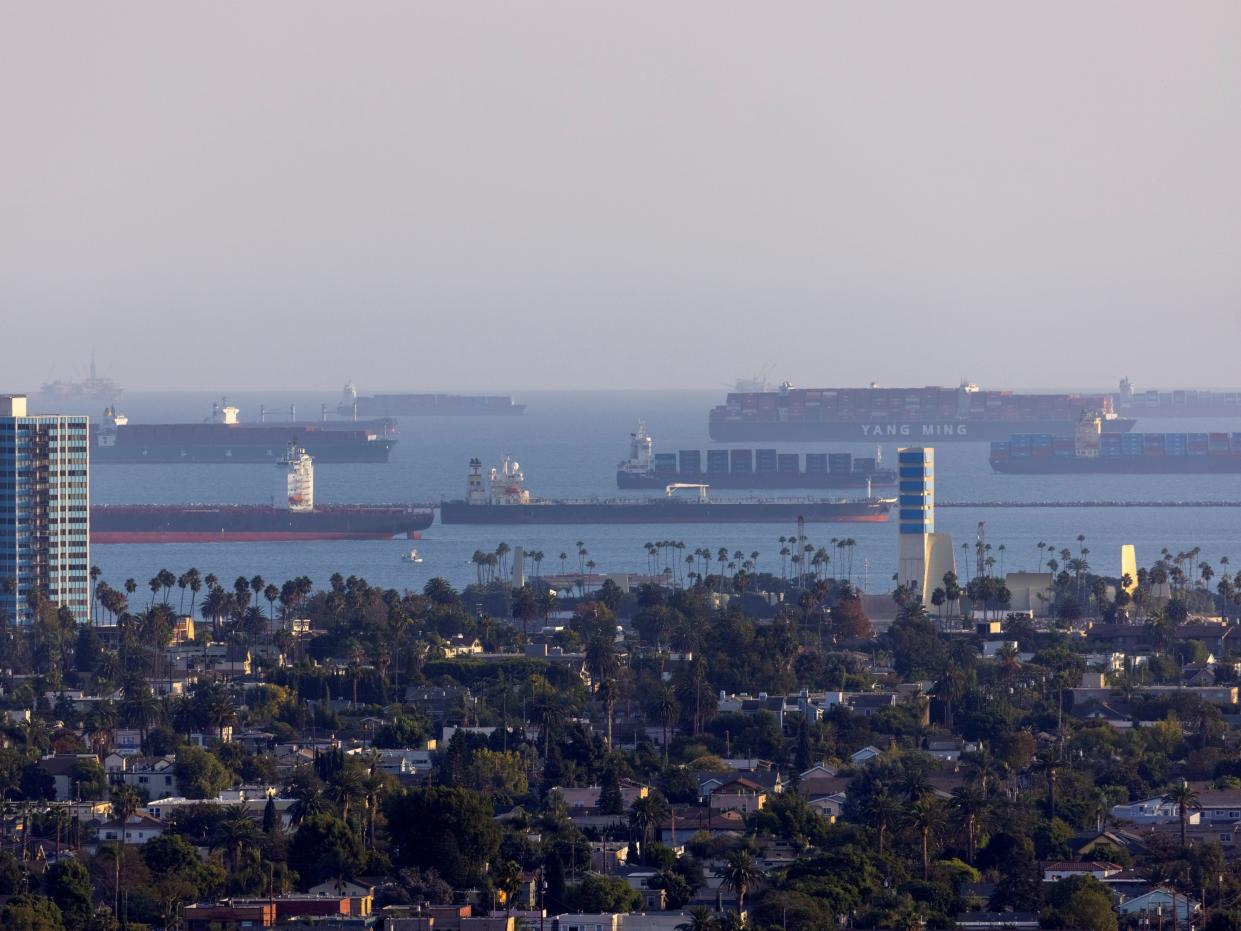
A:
(923, 556)
(44, 510)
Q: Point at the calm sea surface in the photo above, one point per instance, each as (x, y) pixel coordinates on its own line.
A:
(569, 444)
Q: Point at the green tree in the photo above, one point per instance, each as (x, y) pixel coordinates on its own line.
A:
(1185, 798)
(324, 848)
(449, 828)
(68, 884)
(31, 913)
(200, 773)
(740, 873)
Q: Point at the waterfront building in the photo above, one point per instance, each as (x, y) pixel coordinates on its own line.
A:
(44, 510)
(924, 556)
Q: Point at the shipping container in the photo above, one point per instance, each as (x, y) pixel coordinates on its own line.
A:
(717, 461)
(787, 463)
(765, 461)
(741, 461)
(816, 463)
(839, 462)
(864, 464)
(691, 461)
(665, 463)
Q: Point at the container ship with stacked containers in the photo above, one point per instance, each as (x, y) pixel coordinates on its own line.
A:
(500, 498)
(426, 405)
(1177, 403)
(293, 515)
(903, 415)
(1090, 450)
(746, 468)
(224, 438)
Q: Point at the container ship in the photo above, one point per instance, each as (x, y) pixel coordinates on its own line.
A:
(745, 468)
(224, 438)
(293, 516)
(500, 498)
(901, 414)
(1090, 450)
(425, 405)
(1178, 403)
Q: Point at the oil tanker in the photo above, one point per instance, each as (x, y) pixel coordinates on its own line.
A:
(1178, 403)
(745, 468)
(294, 516)
(425, 405)
(500, 498)
(901, 415)
(1089, 450)
(224, 438)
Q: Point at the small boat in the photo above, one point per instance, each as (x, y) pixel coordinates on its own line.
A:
(411, 556)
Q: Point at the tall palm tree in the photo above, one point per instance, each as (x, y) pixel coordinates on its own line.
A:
(884, 810)
(969, 804)
(645, 815)
(926, 816)
(665, 708)
(1185, 798)
(741, 874)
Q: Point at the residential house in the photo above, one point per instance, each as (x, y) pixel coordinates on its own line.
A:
(138, 828)
(1153, 811)
(156, 776)
(63, 768)
(1161, 901)
(1055, 870)
(997, 921)
(743, 795)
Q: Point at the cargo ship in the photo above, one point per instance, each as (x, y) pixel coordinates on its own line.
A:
(745, 468)
(224, 438)
(1177, 403)
(425, 405)
(292, 516)
(1089, 450)
(500, 498)
(903, 415)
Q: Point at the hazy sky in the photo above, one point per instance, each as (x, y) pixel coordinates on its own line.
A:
(569, 194)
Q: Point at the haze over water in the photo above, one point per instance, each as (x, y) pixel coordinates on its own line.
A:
(569, 445)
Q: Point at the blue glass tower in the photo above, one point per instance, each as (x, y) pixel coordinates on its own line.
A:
(924, 556)
(917, 490)
(44, 510)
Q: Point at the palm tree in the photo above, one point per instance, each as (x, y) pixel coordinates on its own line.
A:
(306, 790)
(700, 919)
(125, 802)
(926, 816)
(969, 804)
(664, 709)
(234, 834)
(884, 810)
(1185, 798)
(740, 873)
(645, 815)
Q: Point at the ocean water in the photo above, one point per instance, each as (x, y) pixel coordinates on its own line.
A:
(569, 444)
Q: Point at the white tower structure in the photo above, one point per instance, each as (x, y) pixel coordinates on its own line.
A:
(295, 481)
(924, 556)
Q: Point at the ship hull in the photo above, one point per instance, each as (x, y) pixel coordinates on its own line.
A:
(154, 454)
(1119, 465)
(662, 511)
(921, 431)
(205, 523)
(764, 480)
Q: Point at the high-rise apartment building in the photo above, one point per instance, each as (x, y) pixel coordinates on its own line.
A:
(44, 510)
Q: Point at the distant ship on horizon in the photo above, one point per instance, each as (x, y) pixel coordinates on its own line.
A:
(904, 415)
(425, 405)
